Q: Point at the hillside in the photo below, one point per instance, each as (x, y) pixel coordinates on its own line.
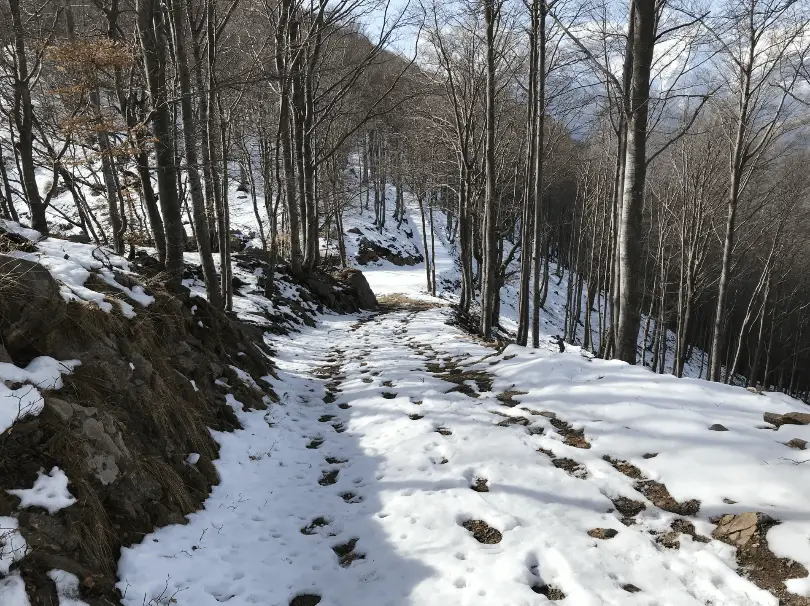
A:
(385, 453)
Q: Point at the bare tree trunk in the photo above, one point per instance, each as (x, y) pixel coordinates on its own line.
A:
(420, 198)
(24, 122)
(200, 218)
(634, 181)
(151, 30)
(488, 284)
(538, 300)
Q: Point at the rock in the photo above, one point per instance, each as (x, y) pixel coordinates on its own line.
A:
(63, 410)
(355, 230)
(796, 418)
(31, 303)
(143, 367)
(797, 443)
(369, 252)
(104, 468)
(602, 533)
(4, 357)
(718, 427)
(358, 284)
(791, 418)
(772, 418)
(741, 528)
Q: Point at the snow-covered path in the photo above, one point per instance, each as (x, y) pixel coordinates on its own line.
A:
(360, 488)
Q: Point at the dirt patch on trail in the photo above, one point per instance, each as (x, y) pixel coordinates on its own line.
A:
(628, 469)
(452, 372)
(346, 552)
(550, 591)
(570, 466)
(480, 485)
(509, 420)
(329, 477)
(672, 538)
(306, 599)
(628, 508)
(572, 437)
(483, 532)
(656, 492)
(748, 533)
(398, 302)
(507, 397)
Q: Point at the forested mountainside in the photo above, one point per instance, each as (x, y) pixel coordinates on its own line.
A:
(677, 191)
(350, 302)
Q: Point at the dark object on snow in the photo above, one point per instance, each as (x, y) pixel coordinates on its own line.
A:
(369, 252)
(602, 533)
(551, 592)
(355, 230)
(791, 418)
(357, 283)
(560, 344)
(797, 443)
(718, 427)
(483, 532)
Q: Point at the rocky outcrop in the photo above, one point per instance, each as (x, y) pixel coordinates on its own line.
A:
(370, 252)
(356, 282)
(130, 426)
(30, 304)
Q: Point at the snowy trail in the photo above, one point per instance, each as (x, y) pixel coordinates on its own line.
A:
(356, 489)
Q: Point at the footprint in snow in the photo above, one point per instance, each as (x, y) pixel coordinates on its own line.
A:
(329, 477)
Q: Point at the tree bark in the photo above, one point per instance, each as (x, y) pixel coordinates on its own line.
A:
(634, 181)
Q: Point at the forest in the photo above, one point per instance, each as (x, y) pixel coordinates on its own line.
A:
(655, 151)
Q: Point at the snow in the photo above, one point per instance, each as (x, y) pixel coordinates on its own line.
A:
(72, 263)
(403, 490)
(247, 545)
(50, 491)
(12, 549)
(67, 588)
(43, 372)
(12, 591)
(12, 544)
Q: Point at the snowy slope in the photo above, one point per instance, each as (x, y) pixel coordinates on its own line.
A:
(355, 488)
(386, 278)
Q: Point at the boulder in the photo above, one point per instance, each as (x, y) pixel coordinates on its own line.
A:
(30, 303)
(796, 418)
(773, 418)
(743, 528)
(718, 427)
(790, 418)
(357, 283)
(797, 443)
